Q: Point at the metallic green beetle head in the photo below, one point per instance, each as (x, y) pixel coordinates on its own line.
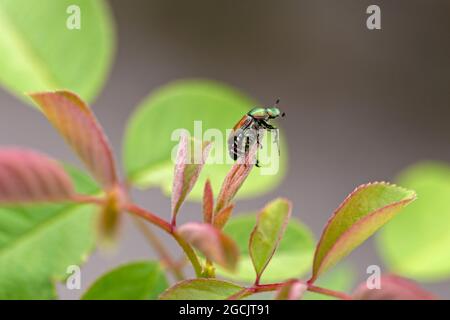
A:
(274, 112)
(266, 113)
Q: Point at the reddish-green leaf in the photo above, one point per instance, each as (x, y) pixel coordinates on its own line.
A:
(79, 127)
(221, 218)
(210, 241)
(235, 179)
(201, 289)
(393, 287)
(208, 202)
(291, 290)
(364, 211)
(190, 160)
(27, 176)
(270, 226)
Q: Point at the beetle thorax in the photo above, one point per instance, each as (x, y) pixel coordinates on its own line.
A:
(258, 113)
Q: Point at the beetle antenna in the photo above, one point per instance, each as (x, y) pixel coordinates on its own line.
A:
(277, 102)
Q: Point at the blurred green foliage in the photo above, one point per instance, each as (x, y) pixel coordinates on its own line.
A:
(144, 280)
(39, 242)
(38, 52)
(416, 244)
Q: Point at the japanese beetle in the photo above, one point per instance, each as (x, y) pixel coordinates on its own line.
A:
(247, 131)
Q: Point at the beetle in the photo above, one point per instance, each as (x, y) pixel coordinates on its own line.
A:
(247, 131)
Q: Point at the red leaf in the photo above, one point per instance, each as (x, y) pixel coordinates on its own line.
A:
(210, 241)
(187, 169)
(208, 203)
(27, 176)
(79, 127)
(221, 218)
(393, 288)
(235, 179)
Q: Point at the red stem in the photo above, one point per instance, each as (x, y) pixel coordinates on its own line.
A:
(155, 220)
(328, 292)
(167, 227)
(149, 216)
(275, 286)
(164, 255)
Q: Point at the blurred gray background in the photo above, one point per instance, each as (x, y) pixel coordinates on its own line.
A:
(362, 105)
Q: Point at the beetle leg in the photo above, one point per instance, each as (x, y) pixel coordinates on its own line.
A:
(258, 141)
(267, 125)
(277, 141)
(247, 145)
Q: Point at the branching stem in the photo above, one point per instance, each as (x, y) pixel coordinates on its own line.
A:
(173, 266)
(167, 227)
(275, 286)
(328, 292)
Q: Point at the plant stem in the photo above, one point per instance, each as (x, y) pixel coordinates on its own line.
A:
(255, 289)
(267, 287)
(241, 294)
(161, 250)
(275, 286)
(157, 221)
(150, 217)
(328, 292)
(167, 227)
(209, 270)
(190, 253)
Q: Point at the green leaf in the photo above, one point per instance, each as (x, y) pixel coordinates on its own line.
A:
(135, 281)
(339, 279)
(38, 52)
(271, 223)
(148, 145)
(83, 183)
(293, 257)
(38, 243)
(364, 211)
(416, 243)
(201, 289)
